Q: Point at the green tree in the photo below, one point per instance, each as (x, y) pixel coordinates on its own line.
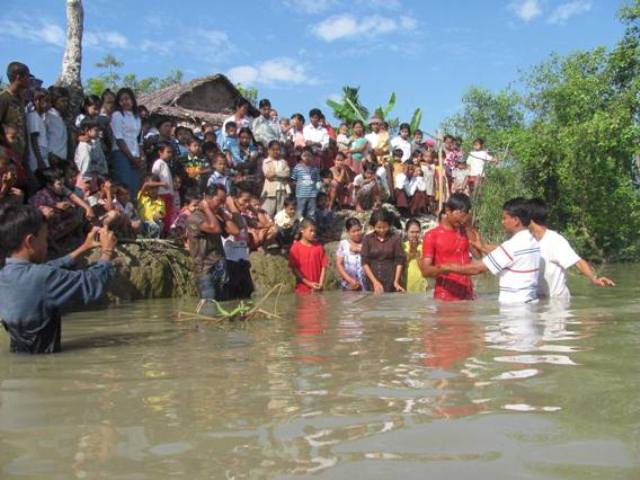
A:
(112, 79)
(574, 135)
(250, 93)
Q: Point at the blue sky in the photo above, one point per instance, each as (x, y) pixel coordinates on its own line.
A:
(298, 53)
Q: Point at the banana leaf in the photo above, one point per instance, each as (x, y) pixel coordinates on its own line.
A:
(390, 104)
(416, 119)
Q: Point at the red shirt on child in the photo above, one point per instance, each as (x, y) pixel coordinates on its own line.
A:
(449, 246)
(309, 260)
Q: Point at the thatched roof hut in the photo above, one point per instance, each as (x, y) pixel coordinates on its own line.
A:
(206, 99)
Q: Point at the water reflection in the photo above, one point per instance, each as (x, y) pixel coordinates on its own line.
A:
(342, 386)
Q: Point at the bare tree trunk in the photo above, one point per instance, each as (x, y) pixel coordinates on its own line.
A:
(72, 60)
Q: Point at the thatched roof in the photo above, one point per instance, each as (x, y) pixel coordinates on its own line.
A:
(208, 99)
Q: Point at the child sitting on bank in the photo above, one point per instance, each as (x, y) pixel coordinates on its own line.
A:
(9, 194)
(340, 193)
(262, 230)
(308, 260)
(343, 140)
(128, 223)
(151, 208)
(287, 224)
(324, 217)
(178, 231)
(366, 190)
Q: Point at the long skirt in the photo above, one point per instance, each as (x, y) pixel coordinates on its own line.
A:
(125, 173)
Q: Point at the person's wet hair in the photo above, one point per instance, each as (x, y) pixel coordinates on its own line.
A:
(538, 211)
(16, 222)
(351, 222)
(48, 176)
(458, 201)
(382, 215)
(212, 190)
(412, 221)
(519, 208)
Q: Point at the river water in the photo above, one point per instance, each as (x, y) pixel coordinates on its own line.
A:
(344, 386)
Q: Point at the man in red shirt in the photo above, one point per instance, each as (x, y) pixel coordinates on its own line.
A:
(448, 243)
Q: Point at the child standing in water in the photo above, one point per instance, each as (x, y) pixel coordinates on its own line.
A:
(414, 281)
(308, 260)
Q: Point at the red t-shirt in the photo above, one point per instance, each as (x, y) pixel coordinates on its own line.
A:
(309, 260)
(449, 246)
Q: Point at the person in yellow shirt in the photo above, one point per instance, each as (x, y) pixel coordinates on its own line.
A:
(414, 281)
(151, 207)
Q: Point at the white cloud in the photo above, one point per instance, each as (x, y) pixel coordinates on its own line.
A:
(314, 7)
(107, 39)
(526, 10)
(270, 72)
(53, 34)
(310, 6)
(564, 12)
(204, 45)
(48, 33)
(347, 25)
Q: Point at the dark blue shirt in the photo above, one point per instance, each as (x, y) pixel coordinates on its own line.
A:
(31, 296)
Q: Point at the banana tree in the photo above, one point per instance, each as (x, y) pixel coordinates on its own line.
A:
(349, 109)
(416, 119)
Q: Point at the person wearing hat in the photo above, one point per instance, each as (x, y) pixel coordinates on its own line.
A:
(378, 139)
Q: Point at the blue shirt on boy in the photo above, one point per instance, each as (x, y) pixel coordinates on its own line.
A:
(32, 294)
(232, 145)
(306, 178)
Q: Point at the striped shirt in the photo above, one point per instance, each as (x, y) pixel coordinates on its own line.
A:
(306, 178)
(516, 262)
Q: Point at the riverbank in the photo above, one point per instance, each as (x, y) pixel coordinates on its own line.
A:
(148, 269)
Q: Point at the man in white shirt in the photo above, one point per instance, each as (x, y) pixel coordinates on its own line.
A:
(516, 261)
(57, 136)
(557, 256)
(402, 142)
(264, 128)
(38, 144)
(315, 135)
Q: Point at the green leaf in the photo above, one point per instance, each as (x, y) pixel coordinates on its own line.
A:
(390, 104)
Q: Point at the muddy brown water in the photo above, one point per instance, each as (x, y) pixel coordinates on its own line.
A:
(343, 386)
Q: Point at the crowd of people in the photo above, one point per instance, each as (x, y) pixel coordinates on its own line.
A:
(266, 183)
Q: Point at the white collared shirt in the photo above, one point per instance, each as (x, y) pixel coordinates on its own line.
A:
(36, 124)
(56, 133)
(244, 122)
(409, 185)
(317, 134)
(476, 162)
(402, 144)
(517, 264)
(557, 258)
(126, 126)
